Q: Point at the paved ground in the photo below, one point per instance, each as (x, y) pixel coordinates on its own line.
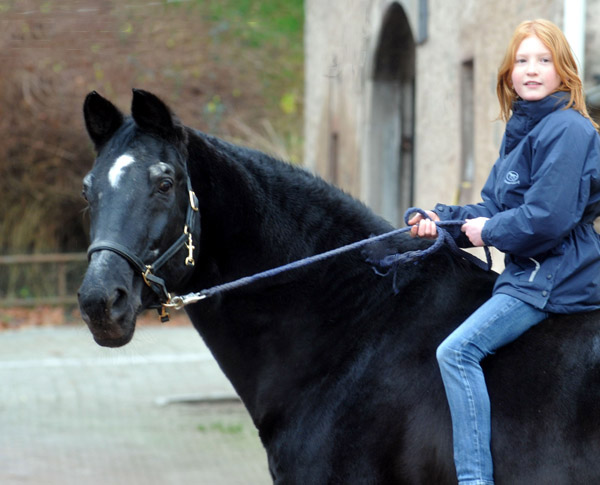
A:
(73, 413)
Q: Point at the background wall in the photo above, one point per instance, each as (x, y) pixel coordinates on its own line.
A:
(455, 134)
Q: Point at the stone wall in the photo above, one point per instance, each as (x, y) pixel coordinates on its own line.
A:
(457, 54)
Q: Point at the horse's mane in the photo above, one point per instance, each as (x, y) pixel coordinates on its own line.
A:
(286, 177)
(341, 218)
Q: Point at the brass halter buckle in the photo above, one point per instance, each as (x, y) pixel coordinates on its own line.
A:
(163, 314)
(189, 261)
(193, 200)
(145, 275)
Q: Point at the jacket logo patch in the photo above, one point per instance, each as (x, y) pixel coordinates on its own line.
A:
(511, 178)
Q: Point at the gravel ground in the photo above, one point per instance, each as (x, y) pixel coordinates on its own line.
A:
(157, 411)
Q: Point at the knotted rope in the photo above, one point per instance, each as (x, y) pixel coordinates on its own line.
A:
(392, 261)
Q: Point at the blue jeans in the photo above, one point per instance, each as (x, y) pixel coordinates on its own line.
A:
(497, 322)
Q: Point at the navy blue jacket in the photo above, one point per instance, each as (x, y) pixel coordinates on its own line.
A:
(542, 197)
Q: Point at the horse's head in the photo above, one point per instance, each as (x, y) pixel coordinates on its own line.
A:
(143, 214)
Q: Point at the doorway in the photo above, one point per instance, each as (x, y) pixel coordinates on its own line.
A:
(390, 155)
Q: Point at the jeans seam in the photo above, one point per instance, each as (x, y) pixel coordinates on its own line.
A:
(460, 358)
(472, 412)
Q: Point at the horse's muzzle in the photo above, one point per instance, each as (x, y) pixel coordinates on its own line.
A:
(108, 301)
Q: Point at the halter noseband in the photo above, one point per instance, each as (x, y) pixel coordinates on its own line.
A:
(147, 271)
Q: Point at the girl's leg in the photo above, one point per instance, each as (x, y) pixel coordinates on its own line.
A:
(497, 322)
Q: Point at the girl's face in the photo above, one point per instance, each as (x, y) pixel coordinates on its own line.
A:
(534, 76)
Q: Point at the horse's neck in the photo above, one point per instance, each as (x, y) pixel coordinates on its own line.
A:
(258, 214)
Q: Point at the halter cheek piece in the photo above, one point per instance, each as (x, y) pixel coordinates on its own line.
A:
(147, 271)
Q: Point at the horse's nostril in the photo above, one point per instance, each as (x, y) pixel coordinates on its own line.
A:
(118, 301)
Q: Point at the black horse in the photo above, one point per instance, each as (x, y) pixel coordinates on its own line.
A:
(336, 369)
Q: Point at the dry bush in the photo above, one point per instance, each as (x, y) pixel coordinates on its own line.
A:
(218, 74)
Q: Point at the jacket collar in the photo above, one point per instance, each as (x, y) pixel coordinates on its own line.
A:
(527, 114)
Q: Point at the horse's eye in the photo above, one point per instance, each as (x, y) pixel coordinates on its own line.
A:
(165, 185)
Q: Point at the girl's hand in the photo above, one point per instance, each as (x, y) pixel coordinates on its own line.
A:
(424, 227)
(472, 228)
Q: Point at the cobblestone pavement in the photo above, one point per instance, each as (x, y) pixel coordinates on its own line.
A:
(74, 413)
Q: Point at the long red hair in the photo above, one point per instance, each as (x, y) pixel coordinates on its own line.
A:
(562, 57)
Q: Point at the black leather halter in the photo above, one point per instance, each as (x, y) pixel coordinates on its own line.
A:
(147, 271)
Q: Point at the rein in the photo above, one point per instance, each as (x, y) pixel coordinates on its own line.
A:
(390, 261)
(147, 271)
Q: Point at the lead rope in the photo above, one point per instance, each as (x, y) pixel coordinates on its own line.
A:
(391, 261)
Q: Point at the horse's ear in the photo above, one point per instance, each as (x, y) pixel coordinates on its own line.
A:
(152, 115)
(102, 118)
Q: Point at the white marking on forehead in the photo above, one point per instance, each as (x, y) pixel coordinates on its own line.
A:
(115, 172)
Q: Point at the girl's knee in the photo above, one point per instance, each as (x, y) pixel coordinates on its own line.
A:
(451, 351)
(444, 354)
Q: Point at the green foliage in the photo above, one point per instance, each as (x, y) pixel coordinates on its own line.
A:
(271, 33)
(259, 23)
